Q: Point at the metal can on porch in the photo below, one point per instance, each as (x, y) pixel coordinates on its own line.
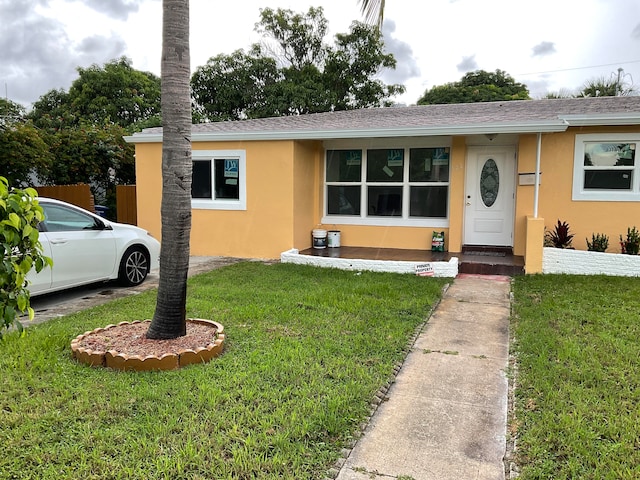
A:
(333, 239)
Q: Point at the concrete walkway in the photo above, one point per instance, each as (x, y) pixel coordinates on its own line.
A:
(446, 413)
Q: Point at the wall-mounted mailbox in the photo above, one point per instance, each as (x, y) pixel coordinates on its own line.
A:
(528, 178)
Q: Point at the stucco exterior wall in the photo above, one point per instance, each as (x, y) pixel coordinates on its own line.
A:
(285, 193)
(456, 196)
(263, 230)
(555, 202)
(149, 186)
(385, 237)
(307, 174)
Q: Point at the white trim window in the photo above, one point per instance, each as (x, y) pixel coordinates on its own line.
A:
(605, 168)
(387, 186)
(219, 180)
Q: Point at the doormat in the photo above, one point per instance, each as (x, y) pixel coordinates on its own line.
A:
(485, 253)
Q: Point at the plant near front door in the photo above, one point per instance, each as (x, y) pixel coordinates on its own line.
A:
(631, 245)
(559, 237)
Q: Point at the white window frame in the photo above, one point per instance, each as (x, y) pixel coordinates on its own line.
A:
(223, 204)
(579, 193)
(383, 221)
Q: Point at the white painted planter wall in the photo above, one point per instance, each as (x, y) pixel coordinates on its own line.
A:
(580, 262)
(440, 269)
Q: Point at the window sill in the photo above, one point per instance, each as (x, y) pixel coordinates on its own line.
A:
(217, 205)
(386, 221)
(606, 196)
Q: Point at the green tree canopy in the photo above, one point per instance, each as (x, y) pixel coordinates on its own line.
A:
(115, 93)
(89, 153)
(234, 86)
(82, 130)
(23, 152)
(10, 112)
(294, 71)
(478, 86)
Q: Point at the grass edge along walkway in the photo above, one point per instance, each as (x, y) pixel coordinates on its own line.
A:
(577, 394)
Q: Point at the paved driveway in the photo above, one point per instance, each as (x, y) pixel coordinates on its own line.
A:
(70, 301)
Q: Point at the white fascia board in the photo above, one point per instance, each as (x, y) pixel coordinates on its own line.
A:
(448, 130)
(598, 119)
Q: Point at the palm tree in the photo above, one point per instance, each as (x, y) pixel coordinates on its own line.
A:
(169, 319)
(373, 11)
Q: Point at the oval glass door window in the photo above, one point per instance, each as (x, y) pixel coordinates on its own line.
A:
(489, 182)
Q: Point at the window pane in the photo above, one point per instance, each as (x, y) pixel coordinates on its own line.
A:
(384, 201)
(429, 165)
(343, 200)
(428, 202)
(227, 179)
(607, 179)
(62, 219)
(385, 165)
(489, 182)
(609, 154)
(344, 165)
(201, 179)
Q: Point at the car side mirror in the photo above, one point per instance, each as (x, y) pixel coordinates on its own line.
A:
(100, 225)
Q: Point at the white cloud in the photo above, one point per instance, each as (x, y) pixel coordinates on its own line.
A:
(42, 42)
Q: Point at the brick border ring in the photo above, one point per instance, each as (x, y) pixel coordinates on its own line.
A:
(168, 361)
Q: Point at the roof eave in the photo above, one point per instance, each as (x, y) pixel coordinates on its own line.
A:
(452, 130)
(602, 119)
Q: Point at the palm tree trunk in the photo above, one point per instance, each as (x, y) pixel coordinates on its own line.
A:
(169, 319)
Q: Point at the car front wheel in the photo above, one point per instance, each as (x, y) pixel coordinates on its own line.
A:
(134, 267)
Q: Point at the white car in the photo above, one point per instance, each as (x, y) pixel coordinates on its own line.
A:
(87, 248)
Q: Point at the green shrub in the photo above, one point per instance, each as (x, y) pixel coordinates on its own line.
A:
(559, 237)
(631, 245)
(599, 242)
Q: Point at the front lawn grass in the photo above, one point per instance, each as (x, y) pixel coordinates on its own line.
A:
(306, 351)
(577, 344)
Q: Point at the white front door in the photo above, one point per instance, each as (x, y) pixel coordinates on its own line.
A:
(489, 196)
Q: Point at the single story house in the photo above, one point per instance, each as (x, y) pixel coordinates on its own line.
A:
(489, 174)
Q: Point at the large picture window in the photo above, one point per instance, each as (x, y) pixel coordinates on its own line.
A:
(394, 185)
(605, 168)
(219, 180)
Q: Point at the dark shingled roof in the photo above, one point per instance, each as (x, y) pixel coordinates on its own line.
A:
(417, 120)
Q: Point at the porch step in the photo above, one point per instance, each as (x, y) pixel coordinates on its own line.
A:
(490, 260)
(496, 250)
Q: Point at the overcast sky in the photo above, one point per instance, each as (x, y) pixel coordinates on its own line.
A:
(549, 45)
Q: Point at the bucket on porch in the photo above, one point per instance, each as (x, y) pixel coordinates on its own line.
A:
(333, 239)
(319, 238)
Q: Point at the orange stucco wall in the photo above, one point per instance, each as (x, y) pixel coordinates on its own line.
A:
(285, 200)
(555, 203)
(275, 208)
(386, 237)
(307, 189)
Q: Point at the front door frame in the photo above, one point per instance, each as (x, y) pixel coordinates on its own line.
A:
(502, 212)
